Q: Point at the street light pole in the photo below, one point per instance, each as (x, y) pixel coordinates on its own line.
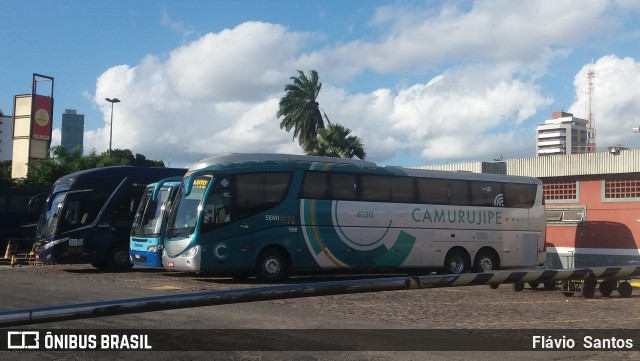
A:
(114, 100)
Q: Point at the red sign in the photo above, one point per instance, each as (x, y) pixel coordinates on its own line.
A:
(41, 117)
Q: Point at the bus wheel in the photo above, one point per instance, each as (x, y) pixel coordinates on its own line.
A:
(588, 289)
(118, 259)
(272, 265)
(485, 262)
(606, 287)
(550, 285)
(624, 289)
(534, 285)
(456, 262)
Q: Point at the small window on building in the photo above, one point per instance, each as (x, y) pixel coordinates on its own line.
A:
(558, 191)
(621, 188)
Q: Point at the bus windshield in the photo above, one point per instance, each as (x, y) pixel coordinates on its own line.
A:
(182, 220)
(69, 210)
(150, 213)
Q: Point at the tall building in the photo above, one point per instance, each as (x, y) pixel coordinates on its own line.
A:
(562, 134)
(6, 136)
(72, 132)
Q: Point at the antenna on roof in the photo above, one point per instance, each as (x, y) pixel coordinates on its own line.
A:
(591, 125)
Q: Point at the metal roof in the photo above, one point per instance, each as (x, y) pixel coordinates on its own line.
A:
(613, 161)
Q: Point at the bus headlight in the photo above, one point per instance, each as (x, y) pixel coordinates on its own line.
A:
(54, 243)
(190, 252)
(154, 248)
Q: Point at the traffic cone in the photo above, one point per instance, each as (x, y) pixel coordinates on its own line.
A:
(7, 253)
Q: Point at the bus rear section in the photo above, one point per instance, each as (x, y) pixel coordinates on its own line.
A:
(150, 223)
(88, 216)
(19, 211)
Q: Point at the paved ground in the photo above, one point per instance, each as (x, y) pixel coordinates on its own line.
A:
(461, 308)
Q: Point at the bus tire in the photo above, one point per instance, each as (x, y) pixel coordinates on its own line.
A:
(588, 290)
(534, 285)
(625, 289)
(272, 265)
(456, 262)
(118, 259)
(485, 262)
(550, 285)
(606, 287)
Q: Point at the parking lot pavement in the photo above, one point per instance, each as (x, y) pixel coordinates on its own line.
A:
(459, 308)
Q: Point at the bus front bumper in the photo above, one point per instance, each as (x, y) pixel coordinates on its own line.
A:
(189, 261)
(147, 259)
(59, 251)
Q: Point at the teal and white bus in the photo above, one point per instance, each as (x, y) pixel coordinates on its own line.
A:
(272, 214)
(150, 222)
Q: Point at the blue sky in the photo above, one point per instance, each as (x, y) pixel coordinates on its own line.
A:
(421, 82)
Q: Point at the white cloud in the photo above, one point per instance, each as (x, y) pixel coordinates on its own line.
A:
(490, 31)
(615, 100)
(220, 92)
(240, 64)
(178, 27)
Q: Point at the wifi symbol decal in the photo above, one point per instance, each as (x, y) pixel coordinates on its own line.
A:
(499, 200)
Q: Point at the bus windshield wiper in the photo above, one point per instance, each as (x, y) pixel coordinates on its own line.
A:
(173, 232)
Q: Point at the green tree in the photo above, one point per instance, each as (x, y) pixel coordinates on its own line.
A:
(300, 109)
(336, 141)
(62, 162)
(5, 173)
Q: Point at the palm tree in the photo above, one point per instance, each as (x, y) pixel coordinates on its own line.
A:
(335, 141)
(300, 109)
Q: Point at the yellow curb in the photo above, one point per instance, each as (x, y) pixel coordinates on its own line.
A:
(164, 288)
(635, 284)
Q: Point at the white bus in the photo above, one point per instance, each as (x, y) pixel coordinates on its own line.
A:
(272, 214)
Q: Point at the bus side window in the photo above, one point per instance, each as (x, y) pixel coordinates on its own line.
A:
(403, 190)
(121, 213)
(217, 207)
(433, 191)
(520, 195)
(72, 216)
(276, 186)
(257, 192)
(375, 188)
(314, 185)
(484, 194)
(343, 186)
(459, 193)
